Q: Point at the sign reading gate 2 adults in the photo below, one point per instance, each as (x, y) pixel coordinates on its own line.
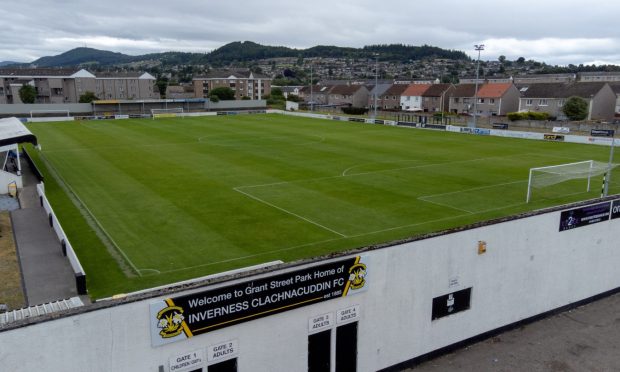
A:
(584, 216)
(178, 318)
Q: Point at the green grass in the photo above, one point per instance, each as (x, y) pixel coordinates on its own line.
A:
(182, 198)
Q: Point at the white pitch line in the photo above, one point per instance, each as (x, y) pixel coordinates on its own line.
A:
(373, 172)
(446, 205)
(288, 212)
(251, 255)
(471, 189)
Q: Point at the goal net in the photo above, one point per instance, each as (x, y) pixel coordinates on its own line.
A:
(546, 176)
(167, 113)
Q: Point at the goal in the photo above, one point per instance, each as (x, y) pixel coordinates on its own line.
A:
(49, 113)
(551, 175)
(167, 113)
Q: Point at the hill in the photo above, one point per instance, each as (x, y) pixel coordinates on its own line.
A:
(83, 56)
(247, 51)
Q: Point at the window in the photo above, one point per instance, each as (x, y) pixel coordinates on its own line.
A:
(544, 102)
(456, 100)
(561, 103)
(480, 100)
(529, 102)
(492, 100)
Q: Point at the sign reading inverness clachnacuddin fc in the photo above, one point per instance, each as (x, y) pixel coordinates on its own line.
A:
(178, 318)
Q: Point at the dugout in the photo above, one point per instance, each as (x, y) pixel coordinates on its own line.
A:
(375, 308)
(12, 133)
(144, 107)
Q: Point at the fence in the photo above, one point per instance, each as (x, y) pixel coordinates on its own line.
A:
(67, 249)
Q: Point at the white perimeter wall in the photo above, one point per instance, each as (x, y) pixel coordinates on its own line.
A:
(529, 268)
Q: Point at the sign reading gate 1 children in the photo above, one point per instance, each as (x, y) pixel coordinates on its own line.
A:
(182, 317)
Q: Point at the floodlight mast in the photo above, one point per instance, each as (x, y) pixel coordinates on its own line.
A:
(478, 48)
(376, 82)
(611, 159)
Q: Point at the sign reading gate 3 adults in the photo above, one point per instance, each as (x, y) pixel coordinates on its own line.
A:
(178, 318)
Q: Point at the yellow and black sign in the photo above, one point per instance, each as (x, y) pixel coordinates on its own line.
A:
(554, 137)
(182, 317)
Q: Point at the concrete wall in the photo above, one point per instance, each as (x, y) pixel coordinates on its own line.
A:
(529, 267)
(237, 104)
(24, 109)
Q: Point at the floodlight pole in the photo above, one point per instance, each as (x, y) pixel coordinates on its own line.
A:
(311, 98)
(478, 48)
(611, 159)
(376, 82)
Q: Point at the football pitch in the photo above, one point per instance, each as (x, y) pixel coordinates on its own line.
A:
(150, 202)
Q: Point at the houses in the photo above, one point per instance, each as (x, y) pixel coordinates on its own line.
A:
(497, 99)
(550, 98)
(411, 98)
(462, 99)
(348, 95)
(244, 83)
(437, 98)
(390, 99)
(67, 85)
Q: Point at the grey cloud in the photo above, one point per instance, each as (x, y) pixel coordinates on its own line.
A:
(39, 28)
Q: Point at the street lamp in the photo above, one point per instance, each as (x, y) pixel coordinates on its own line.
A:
(478, 48)
(311, 98)
(376, 82)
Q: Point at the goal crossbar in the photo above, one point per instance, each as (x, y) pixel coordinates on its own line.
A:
(167, 113)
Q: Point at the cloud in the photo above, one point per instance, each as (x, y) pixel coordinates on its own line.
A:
(552, 31)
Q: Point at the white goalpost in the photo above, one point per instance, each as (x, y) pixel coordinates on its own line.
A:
(55, 112)
(550, 175)
(167, 113)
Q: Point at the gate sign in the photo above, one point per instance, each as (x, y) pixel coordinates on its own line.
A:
(615, 209)
(602, 132)
(451, 303)
(177, 318)
(584, 216)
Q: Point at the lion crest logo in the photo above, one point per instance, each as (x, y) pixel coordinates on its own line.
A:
(357, 276)
(170, 321)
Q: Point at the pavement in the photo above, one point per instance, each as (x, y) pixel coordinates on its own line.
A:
(586, 338)
(47, 274)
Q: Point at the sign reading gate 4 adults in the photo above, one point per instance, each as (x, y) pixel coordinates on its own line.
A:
(178, 318)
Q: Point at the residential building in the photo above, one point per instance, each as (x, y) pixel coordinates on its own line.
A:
(411, 98)
(544, 78)
(317, 94)
(67, 85)
(390, 99)
(486, 79)
(497, 99)
(616, 88)
(129, 85)
(180, 91)
(437, 98)
(600, 76)
(377, 90)
(348, 95)
(462, 99)
(244, 83)
(550, 98)
(288, 90)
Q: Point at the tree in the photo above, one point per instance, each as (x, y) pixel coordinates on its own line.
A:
(161, 85)
(27, 93)
(502, 59)
(276, 92)
(223, 93)
(575, 108)
(520, 60)
(88, 97)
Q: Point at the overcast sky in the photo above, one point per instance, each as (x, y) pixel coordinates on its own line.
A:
(553, 31)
